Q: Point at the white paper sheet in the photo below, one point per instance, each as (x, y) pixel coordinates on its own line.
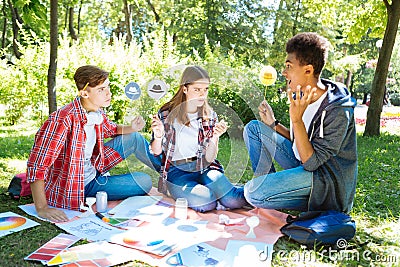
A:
(200, 255)
(90, 228)
(244, 253)
(11, 222)
(173, 233)
(30, 209)
(142, 208)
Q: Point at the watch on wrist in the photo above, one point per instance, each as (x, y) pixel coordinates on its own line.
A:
(274, 124)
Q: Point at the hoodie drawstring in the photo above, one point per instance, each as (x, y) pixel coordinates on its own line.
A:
(321, 131)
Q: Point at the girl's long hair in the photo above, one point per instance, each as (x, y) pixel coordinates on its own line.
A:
(177, 105)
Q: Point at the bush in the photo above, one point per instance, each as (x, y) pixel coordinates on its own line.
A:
(26, 86)
(235, 91)
(395, 99)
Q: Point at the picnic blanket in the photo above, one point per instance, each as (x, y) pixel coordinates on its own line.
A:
(268, 230)
(217, 229)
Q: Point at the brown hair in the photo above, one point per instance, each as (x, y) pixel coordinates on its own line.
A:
(310, 48)
(89, 75)
(177, 105)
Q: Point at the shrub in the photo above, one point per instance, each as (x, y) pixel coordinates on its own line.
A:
(235, 92)
(395, 99)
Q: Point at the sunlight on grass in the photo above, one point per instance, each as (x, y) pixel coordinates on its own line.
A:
(20, 129)
(17, 164)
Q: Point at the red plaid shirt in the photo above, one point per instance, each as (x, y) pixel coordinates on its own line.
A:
(57, 155)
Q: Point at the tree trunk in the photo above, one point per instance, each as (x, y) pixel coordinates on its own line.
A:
(79, 16)
(277, 21)
(71, 24)
(4, 33)
(156, 16)
(348, 78)
(51, 75)
(66, 18)
(372, 127)
(15, 28)
(365, 98)
(128, 21)
(294, 28)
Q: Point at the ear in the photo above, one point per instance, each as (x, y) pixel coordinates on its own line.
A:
(83, 94)
(309, 69)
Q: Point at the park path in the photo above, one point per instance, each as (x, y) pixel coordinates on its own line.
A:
(390, 118)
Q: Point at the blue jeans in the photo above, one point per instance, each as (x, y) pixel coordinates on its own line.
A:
(129, 184)
(203, 190)
(288, 189)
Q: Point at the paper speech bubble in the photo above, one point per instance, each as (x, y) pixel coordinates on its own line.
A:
(157, 89)
(268, 75)
(132, 91)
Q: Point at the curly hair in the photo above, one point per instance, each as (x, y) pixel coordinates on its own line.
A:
(309, 48)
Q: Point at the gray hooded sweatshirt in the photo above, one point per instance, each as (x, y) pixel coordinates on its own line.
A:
(332, 133)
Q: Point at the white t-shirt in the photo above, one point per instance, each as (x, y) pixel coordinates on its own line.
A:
(93, 118)
(186, 144)
(307, 118)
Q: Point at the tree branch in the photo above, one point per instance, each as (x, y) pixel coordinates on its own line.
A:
(387, 4)
(157, 17)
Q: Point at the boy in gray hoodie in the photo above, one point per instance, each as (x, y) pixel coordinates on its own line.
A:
(318, 152)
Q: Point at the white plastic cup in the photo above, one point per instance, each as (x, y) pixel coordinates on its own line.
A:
(181, 206)
(101, 201)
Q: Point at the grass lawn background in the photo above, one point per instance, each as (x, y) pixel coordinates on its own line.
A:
(376, 208)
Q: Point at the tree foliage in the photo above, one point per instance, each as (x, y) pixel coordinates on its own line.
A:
(22, 22)
(244, 34)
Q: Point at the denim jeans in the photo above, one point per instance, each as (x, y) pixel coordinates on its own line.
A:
(203, 189)
(288, 189)
(129, 184)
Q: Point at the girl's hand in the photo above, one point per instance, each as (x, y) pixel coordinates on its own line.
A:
(137, 123)
(157, 127)
(220, 128)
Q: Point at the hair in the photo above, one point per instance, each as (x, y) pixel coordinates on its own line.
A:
(177, 105)
(310, 48)
(89, 76)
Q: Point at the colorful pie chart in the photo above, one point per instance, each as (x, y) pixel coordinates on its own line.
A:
(7, 223)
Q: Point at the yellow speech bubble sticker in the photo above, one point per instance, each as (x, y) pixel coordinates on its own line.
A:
(268, 75)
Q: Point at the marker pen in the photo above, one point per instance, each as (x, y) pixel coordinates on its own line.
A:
(156, 242)
(102, 217)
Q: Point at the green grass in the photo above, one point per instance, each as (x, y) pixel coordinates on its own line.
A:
(376, 208)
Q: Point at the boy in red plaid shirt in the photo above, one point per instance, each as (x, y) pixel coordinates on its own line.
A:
(69, 158)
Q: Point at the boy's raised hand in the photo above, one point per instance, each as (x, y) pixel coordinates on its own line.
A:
(300, 102)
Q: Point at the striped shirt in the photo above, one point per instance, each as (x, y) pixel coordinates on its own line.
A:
(57, 155)
(206, 131)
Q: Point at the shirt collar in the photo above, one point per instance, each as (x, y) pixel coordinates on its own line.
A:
(80, 111)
